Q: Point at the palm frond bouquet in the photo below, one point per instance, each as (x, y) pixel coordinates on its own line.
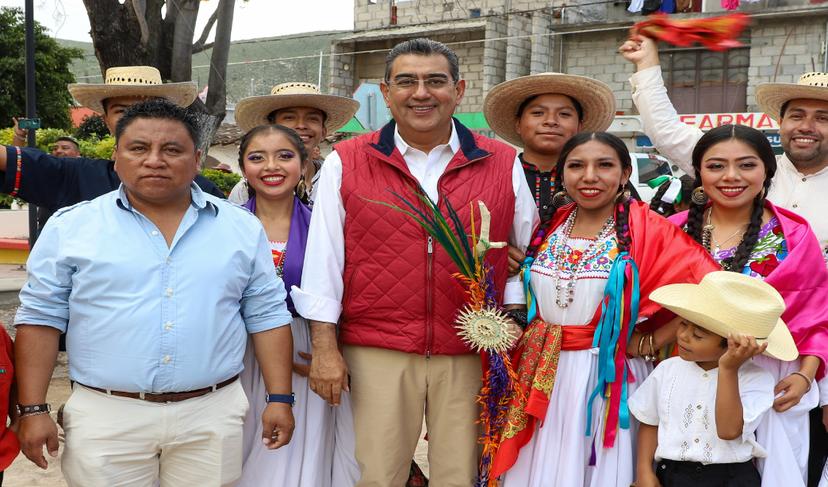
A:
(482, 324)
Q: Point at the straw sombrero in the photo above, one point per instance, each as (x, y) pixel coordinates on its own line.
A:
(725, 302)
(253, 111)
(502, 102)
(771, 96)
(132, 81)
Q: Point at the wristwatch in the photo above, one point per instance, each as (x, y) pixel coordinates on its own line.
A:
(33, 409)
(284, 398)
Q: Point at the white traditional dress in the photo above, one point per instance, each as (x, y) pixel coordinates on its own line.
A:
(307, 459)
(559, 453)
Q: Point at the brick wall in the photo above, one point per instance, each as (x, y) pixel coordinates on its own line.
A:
(780, 51)
(595, 54)
(411, 12)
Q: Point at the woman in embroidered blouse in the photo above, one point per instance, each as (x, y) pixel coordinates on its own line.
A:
(746, 233)
(571, 363)
(272, 158)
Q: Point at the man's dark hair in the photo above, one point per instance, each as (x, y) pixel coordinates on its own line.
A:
(783, 109)
(160, 109)
(70, 140)
(423, 47)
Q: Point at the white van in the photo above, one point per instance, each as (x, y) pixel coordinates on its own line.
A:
(646, 167)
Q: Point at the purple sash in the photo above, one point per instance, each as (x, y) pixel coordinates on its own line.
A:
(295, 249)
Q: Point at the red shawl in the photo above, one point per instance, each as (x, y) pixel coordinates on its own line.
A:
(664, 255)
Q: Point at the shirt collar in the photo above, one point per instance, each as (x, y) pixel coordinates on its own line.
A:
(533, 168)
(197, 199)
(403, 147)
(787, 161)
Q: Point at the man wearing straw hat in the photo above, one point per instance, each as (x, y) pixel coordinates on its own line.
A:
(374, 274)
(303, 108)
(54, 182)
(800, 108)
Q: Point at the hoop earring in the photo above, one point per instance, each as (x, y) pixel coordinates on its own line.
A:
(561, 198)
(301, 187)
(698, 196)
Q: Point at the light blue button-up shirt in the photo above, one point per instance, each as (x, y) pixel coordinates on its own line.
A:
(140, 316)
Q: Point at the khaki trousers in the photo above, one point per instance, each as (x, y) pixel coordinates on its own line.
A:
(121, 442)
(390, 391)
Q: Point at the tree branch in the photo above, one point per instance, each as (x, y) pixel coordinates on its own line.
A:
(201, 42)
(203, 47)
(140, 8)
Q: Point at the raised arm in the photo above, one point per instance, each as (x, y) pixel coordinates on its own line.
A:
(673, 138)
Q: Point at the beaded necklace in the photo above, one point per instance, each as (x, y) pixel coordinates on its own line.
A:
(565, 293)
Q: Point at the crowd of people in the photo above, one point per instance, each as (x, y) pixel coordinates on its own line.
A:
(301, 333)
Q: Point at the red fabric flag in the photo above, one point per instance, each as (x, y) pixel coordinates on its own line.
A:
(714, 33)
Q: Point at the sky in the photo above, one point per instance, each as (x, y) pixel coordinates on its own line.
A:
(66, 19)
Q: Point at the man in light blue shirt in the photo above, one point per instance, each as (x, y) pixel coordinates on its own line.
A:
(157, 287)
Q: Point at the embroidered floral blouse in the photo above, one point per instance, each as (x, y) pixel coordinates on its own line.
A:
(768, 252)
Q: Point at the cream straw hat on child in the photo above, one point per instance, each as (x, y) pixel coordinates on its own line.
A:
(729, 302)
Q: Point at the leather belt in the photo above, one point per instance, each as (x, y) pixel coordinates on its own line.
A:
(165, 396)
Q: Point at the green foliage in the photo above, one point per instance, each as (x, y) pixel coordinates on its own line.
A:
(92, 126)
(225, 181)
(92, 147)
(52, 64)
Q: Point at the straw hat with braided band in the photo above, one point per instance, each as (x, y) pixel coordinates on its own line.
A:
(729, 302)
(502, 102)
(771, 96)
(254, 111)
(132, 81)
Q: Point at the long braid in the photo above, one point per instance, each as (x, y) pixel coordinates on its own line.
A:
(622, 225)
(751, 236)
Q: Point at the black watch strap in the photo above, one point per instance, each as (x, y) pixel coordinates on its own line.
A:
(34, 408)
(519, 315)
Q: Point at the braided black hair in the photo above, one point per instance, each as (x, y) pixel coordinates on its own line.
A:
(622, 209)
(759, 143)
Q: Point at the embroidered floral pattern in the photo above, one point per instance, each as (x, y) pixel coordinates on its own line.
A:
(687, 418)
(708, 452)
(684, 448)
(767, 254)
(597, 267)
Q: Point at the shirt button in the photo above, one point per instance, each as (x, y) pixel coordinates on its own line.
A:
(696, 440)
(796, 205)
(698, 406)
(804, 179)
(154, 233)
(704, 375)
(168, 325)
(167, 359)
(169, 260)
(169, 292)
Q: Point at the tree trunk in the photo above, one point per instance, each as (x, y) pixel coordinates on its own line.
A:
(217, 84)
(182, 41)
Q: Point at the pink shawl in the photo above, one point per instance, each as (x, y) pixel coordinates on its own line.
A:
(802, 280)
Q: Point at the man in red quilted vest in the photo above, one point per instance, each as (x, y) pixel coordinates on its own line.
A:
(390, 287)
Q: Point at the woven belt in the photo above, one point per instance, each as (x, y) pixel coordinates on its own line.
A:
(165, 396)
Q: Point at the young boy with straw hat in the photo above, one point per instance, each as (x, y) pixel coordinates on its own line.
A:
(55, 182)
(540, 113)
(303, 108)
(698, 412)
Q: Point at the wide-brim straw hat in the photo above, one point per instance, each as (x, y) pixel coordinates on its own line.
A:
(142, 81)
(729, 302)
(771, 96)
(501, 104)
(253, 111)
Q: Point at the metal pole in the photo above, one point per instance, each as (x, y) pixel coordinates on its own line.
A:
(31, 104)
(319, 77)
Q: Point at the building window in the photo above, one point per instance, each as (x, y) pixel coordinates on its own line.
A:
(701, 81)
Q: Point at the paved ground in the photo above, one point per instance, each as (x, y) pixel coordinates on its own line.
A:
(23, 473)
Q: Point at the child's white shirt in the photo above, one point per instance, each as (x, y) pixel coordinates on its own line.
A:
(680, 398)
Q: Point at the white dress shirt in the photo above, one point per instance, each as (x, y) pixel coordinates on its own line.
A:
(792, 190)
(320, 295)
(680, 398)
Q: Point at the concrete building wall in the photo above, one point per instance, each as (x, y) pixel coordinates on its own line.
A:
(595, 54)
(781, 50)
(377, 14)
